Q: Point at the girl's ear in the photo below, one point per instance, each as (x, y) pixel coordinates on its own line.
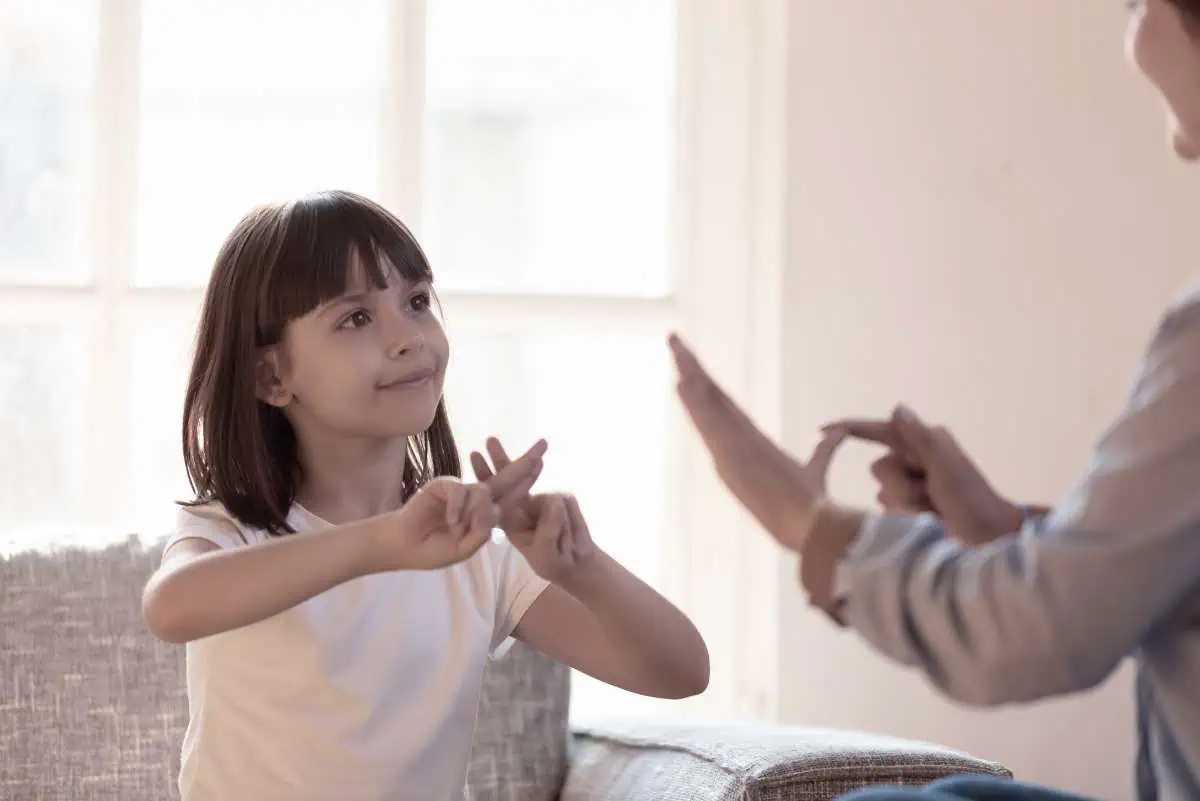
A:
(268, 382)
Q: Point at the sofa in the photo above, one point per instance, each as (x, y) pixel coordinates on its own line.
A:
(92, 708)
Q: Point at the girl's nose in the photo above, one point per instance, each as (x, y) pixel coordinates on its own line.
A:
(404, 340)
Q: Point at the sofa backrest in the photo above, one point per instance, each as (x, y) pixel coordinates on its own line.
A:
(92, 706)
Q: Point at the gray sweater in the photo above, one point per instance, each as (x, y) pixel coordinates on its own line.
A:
(1112, 573)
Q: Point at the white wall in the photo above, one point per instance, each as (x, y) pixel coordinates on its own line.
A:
(983, 222)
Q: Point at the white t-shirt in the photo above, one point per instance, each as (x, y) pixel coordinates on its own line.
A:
(367, 692)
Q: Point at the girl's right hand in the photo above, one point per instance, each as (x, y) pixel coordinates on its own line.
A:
(448, 520)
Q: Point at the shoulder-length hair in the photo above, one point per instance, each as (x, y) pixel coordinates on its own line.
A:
(279, 263)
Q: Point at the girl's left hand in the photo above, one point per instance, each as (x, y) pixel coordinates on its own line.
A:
(548, 530)
(559, 544)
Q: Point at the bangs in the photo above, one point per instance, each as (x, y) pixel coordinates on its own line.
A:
(329, 243)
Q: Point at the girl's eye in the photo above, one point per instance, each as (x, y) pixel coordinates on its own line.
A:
(420, 302)
(356, 319)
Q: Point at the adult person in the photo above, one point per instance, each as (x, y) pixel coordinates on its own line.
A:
(1027, 611)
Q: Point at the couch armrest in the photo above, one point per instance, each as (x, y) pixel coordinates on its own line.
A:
(641, 760)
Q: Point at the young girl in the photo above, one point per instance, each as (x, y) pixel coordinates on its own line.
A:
(337, 586)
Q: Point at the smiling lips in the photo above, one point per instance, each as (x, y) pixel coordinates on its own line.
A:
(412, 380)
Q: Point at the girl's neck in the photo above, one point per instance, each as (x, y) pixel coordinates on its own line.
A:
(351, 479)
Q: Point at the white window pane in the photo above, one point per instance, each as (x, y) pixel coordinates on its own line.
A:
(548, 156)
(262, 49)
(292, 105)
(160, 357)
(43, 391)
(47, 55)
(602, 402)
(202, 169)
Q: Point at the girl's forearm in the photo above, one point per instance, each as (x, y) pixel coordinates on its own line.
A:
(655, 639)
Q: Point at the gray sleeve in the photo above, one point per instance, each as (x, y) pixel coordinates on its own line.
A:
(1057, 606)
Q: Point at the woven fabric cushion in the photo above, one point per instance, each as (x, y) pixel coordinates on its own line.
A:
(521, 738)
(639, 762)
(92, 706)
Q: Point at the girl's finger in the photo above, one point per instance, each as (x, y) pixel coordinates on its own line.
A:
(476, 537)
(479, 464)
(514, 507)
(581, 538)
(457, 496)
(483, 510)
(574, 514)
(509, 475)
(497, 452)
(550, 522)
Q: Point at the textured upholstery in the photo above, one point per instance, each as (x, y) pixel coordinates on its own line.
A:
(93, 707)
(669, 762)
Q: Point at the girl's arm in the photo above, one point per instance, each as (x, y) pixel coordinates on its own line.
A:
(202, 589)
(604, 621)
(596, 616)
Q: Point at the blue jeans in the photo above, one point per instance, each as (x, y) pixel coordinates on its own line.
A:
(964, 788)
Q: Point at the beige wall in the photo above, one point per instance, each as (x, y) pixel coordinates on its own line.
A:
(982, 221)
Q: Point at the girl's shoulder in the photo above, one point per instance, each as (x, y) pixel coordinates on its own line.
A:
(213, 522)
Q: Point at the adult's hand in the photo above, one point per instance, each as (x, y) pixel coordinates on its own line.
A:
(926, 470)
(782, 492)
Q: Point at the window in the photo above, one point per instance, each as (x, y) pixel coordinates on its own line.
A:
(581, 174)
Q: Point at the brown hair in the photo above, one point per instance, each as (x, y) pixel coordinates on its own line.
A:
(281, 262)
(1190, 9)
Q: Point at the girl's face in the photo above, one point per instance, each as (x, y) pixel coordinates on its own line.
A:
(369, 364)
(1168, 54)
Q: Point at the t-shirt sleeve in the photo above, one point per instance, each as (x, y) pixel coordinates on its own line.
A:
(211, 523)
(517, 587)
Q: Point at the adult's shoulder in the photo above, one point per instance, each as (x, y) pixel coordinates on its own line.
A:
(1182, 315)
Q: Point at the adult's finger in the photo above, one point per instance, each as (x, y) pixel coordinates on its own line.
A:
(914, 435)
(698, 382)
(881, 432)
(822, 456)
(897, 489)
(686, 362)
